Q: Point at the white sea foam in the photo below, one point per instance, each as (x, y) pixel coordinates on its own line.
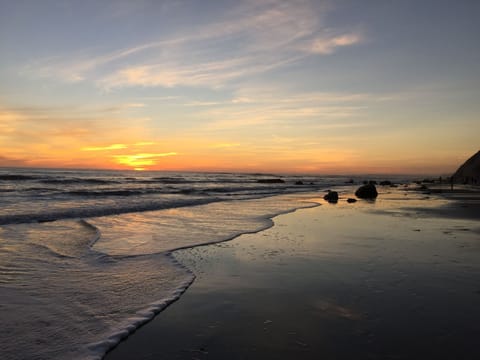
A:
(73, 289)
(58, 295)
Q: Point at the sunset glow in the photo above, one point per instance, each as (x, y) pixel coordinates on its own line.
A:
(140, 161)
(244, 87)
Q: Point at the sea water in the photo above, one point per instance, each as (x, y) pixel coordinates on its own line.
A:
(86, 256)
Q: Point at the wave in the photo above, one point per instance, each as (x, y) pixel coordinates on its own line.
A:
(36, 188)
(253, 188)
(97, 193)
(122, 291)
(99, 211)
(78, 181)
(240, 190)
(46, 179)
(172, 180)
(18, 177)
(99, 349)
(81, 237)
(214, 180)
(131, 324)
(130, 192)
(96, 232)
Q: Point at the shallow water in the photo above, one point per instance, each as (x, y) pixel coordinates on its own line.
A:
(73, 288)
(337, 281)
(60, 300)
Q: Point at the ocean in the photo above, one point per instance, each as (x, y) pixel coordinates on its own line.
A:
(86, 256)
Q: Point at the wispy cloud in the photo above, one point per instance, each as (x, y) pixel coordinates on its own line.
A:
(201, 74)
(224, 145)
(273, 108)
(328, 45)
(145, 143)
(134, 105)
(250, 38)
(105, 148)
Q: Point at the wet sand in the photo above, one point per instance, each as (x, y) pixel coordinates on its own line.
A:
(389, 279)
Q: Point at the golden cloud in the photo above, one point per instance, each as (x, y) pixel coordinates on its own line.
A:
(105, 148)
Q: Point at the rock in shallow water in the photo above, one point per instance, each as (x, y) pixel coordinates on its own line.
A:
(331, 197)
(368, 191)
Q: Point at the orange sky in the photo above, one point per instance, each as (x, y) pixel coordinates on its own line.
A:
(248, 87)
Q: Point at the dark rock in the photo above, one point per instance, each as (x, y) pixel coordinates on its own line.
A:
(331, 197)
(349, 181)
(368, 191)
(271, 181)
(299, 182)
(351, 200)
(386, 183)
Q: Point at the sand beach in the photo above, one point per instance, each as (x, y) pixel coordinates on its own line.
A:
(395, 278)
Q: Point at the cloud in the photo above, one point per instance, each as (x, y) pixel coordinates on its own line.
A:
(224, 145)
(207, 74)
(204, 103)
(134, 105)
(250, 38)
(105, 148)
(145, 143)
(328, 45)
(242, 100)
(272, 107)
(146, 155)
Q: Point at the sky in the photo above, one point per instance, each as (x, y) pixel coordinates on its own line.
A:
(299, 86)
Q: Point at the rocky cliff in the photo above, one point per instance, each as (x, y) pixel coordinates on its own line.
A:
(469, 172)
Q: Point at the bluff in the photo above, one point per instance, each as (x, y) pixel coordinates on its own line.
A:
(469, 171)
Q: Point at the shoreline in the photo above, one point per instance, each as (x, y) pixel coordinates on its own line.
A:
(464, 201)
(209, 285)
(305, 202)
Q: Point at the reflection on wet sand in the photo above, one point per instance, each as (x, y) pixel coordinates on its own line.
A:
(365, 280)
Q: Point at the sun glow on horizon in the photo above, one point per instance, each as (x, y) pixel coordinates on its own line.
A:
(249, 86)
(140, 161)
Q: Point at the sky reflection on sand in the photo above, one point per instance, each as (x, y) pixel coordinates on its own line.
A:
(334, 281)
